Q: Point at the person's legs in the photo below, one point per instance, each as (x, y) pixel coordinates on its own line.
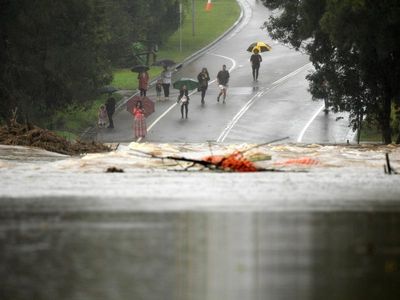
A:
(203, 94)
(182, 105)
(167, 90)
(186, 109)
(224, 90)
(110, 120)
(165, 87)
(257, 68)
(253, 72)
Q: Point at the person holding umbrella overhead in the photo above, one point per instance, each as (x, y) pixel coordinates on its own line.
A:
(140, 128)
(183, 99)
(166, 76)
(255, 61)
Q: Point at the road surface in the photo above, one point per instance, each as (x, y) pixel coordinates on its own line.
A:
(276, 106)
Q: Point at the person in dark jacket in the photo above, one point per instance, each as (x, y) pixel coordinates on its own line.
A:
(223, 79)
(183, 100)
(203, 78)
(110, 107)
(255, 60)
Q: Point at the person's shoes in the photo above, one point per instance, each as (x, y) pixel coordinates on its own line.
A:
(223, 101)
(202, 101)
(186, 117)
(218, 99)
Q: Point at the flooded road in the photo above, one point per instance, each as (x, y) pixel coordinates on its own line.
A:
(200, 255)
(161, 230)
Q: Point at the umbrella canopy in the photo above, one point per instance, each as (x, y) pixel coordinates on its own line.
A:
(190, 83)
(164, 62)
(107, 89)
(139, 68)
(261, 46)
(148, 105)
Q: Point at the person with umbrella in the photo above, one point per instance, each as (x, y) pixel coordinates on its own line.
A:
(166, 76)
(110, 108)
(255, 61)
(223, 79)
(143, 78)
(183, 99)
(140, 128)
(203, 79)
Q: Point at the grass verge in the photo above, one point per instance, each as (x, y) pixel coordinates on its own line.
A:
(208, 25)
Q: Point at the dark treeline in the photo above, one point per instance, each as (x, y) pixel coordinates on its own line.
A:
(354, 46)
(57, 53)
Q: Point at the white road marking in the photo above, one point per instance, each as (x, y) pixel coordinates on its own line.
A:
(263, 92)
(173, 105)
(299, 139)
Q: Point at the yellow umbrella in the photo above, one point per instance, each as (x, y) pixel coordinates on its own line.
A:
(260, 46)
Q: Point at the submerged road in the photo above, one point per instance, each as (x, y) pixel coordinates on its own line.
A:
(276, 106)
(69, 230)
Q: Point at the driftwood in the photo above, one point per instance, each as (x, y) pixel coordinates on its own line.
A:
(234, 162)
(29, 135)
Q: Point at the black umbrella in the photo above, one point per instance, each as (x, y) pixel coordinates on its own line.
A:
(139, 68)
(107, 89)
(164, 62)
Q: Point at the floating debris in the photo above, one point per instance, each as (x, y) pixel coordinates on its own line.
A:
(33, 136)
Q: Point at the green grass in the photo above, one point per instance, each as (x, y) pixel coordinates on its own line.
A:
(208, 26)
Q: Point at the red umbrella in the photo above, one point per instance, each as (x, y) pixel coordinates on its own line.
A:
(148, 105)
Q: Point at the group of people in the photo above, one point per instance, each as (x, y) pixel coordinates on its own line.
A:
(163, 84)
(203, 78)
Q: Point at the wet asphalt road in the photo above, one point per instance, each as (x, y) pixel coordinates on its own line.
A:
(83, 235)
(276, 106)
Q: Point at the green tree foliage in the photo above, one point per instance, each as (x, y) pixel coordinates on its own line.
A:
(355, 49)
(56, 54)
(52, 55)
(150, 22)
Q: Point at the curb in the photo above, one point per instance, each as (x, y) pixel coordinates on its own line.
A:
(187, 60)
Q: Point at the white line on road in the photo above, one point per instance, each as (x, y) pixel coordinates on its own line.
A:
(173, 105)
(263, 92)
(236, 118)
(299, 139)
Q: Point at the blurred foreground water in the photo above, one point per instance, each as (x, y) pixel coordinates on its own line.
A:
(326, 230)
(200, 255)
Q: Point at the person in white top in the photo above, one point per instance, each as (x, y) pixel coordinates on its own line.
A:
(166, 76)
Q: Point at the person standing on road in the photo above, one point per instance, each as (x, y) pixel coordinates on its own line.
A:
(183, 100)
(139, 121)
(110, 107)
(102, 116)
(166, 76)
(203, 78)
(223, 79)
(143, 78)
(255, 60)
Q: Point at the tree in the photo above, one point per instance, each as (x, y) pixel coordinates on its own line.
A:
(52, 55)
(354, 47)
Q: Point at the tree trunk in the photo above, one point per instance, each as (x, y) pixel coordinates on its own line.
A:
(385, 121)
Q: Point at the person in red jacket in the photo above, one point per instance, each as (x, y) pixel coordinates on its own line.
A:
(143, 78)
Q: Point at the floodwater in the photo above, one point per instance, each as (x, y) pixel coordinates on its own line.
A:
(200, 255)
(326, 230)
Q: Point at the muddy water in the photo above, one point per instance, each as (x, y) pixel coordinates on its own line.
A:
(200, 255)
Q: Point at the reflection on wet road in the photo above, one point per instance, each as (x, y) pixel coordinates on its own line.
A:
(203, 255)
